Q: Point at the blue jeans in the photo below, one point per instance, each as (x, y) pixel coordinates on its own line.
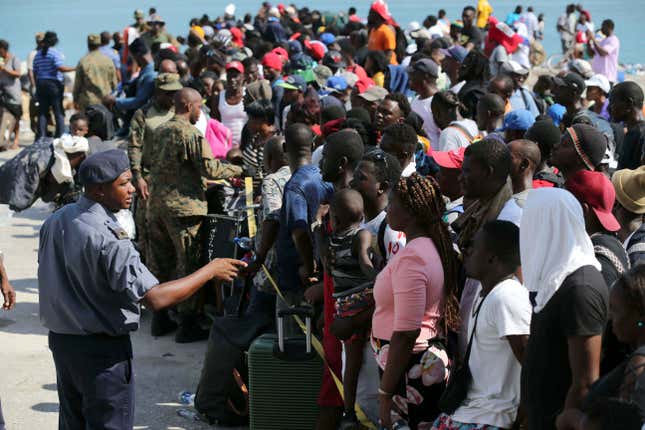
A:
(50, 95)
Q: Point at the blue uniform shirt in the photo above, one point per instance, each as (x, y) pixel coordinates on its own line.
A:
(301, 199)
(90, 276)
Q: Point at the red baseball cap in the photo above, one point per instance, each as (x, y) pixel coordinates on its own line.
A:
(596, 190)
(449, 159)
(235, 65)
(316, 48)
(272, 61)
(281, 52)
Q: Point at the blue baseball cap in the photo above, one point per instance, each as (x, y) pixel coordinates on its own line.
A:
(518, 120)
(457, 52)
(337, 84)
(327, 38)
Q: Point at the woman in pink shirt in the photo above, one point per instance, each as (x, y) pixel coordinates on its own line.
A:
(415, 307)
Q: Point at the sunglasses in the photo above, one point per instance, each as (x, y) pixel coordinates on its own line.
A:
(379, 156)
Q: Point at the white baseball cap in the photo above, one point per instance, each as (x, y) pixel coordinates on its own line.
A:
(599, 81)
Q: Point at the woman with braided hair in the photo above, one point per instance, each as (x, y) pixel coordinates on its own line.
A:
(416, 305)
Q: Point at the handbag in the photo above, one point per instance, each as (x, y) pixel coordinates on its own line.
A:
(459, 382)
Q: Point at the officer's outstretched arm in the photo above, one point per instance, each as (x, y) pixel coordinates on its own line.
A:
(173, 292)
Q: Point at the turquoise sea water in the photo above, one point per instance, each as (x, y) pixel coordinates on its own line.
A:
(74, 19)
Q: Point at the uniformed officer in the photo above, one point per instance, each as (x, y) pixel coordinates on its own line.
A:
(142, 148)
(91, 281)
(178, 201)
(95, 76)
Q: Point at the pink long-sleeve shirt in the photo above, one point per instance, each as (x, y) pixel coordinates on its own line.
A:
(408, 293)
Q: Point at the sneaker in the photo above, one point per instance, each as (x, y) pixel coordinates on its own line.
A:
(187, 398)
(349, 421)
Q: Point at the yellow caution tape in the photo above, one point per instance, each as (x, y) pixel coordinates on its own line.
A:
(321, 352)
(250, 214)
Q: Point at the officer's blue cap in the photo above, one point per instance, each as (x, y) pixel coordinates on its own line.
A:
(518, 120)
(103, 167)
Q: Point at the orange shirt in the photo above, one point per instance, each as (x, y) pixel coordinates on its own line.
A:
(383, 39)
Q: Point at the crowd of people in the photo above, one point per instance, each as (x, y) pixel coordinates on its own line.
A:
(473, 248)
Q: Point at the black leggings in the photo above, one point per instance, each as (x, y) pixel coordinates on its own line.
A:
(50, 94)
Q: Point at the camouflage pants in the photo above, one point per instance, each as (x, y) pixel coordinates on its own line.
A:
(174, 250)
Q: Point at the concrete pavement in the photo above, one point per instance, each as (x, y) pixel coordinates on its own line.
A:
(27, 376)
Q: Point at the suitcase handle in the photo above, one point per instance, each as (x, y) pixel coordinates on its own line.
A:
(301, 311)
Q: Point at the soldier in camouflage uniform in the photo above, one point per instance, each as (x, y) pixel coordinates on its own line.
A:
(95, 75)
(178, 202)
(157, 33)
(143, 150)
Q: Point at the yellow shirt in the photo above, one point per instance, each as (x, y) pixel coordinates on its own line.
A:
(379, 79)
(484, 10)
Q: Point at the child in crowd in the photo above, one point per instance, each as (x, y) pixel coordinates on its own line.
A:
(350, 260)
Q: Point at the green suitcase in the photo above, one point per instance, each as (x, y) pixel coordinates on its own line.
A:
(284, 379)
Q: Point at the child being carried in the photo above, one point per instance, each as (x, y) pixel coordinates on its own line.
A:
(353, 272)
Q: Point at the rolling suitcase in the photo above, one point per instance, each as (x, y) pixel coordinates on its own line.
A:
(284, 379)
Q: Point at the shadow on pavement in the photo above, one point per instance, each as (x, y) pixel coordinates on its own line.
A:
(45, 407)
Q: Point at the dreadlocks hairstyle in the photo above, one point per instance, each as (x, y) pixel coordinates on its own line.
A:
(422, 198)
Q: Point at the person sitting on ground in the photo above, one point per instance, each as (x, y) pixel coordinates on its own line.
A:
(353, 272)
(525, 159)
(499, 332)
(570, 304)
(455, 132)
(627, 381)
(626, 106)
(582, 148)
(415, 305)
(629, 210)
(490, 115)
(46, 169)
(516, 122)
(547, 136)
(400, 140)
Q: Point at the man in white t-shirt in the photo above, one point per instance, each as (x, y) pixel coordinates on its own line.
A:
(423, 75)
(498, 331)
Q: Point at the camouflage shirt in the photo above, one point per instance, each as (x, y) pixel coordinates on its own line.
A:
(184, 163)
(95, 79)
(142, 148)
(162, 37)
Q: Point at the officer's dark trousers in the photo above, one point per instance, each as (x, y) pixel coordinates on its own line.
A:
(95, 381)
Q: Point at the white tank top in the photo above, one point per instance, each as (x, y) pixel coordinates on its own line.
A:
(233, 117)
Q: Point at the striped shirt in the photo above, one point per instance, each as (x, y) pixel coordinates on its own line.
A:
(46, 66)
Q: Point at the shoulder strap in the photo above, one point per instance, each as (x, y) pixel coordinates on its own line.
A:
(381, 238)
(472, 335)
(463, 131)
